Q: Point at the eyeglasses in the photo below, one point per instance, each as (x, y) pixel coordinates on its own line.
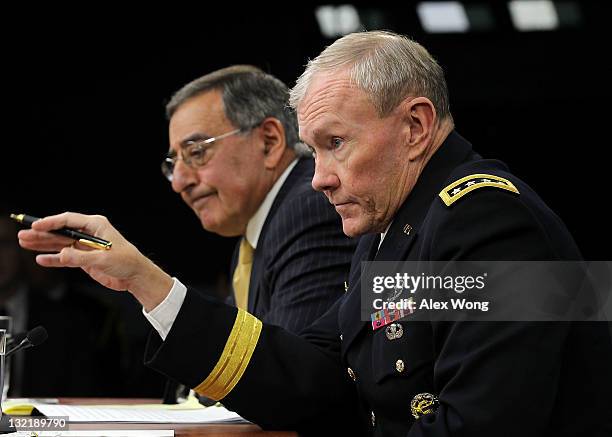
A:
(195, 154)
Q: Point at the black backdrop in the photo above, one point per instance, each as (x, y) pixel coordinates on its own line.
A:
(84, 128)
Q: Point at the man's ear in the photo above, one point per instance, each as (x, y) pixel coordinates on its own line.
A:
(419, 115)
(273, 139)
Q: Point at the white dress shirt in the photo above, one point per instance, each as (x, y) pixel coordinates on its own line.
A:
(163, 315)
(383, 235)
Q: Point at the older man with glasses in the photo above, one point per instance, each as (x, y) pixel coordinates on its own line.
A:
(235, 159)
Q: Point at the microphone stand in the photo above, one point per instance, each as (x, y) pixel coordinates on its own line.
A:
(5, 426)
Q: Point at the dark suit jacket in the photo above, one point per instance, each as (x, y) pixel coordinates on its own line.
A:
(492, 379)
(302, 257)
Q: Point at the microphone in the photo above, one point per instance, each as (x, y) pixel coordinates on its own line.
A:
(33, 338)
(15, 339)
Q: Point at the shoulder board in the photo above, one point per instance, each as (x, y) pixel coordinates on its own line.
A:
(455, 191)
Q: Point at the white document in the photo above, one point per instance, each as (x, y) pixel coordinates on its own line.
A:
(76, 414)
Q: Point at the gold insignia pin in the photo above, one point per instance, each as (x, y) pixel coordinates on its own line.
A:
(423, 403)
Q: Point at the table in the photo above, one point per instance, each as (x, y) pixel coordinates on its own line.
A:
(180, 430)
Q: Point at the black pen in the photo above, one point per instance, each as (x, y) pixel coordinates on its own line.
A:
(85, 239)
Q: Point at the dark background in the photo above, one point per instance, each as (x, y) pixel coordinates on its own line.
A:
(85, 128)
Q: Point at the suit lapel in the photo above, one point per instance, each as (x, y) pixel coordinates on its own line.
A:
(299, 171)
(256, 270)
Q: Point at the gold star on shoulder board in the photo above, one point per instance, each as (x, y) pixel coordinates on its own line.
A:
(455, 191)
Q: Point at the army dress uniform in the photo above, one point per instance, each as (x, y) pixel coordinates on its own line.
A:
(412, 378)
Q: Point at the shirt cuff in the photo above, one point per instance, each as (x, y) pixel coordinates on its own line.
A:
(162, 317)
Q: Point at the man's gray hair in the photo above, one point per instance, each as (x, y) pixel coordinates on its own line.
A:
(387, 66)
(249, 96)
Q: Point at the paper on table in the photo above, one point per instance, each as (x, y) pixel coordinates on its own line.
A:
(215, 414)
(191, 403)
(24, 406)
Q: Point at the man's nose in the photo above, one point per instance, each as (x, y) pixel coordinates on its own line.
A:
(325, 177)
(183, 176)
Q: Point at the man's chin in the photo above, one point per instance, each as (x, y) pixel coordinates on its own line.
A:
(353, 227)
(208, 224)
(222, 229)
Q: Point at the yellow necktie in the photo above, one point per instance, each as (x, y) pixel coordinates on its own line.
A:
(242, 274)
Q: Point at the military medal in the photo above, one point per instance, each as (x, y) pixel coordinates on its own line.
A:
(385, 316)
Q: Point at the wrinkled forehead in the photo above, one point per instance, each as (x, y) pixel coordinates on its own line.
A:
(201, 116)
(206, 106)
(330, 98)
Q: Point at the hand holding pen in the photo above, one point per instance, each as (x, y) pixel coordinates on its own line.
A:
(122, 268)
(84, 239)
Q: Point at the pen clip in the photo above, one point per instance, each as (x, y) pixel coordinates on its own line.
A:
(94, 244)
